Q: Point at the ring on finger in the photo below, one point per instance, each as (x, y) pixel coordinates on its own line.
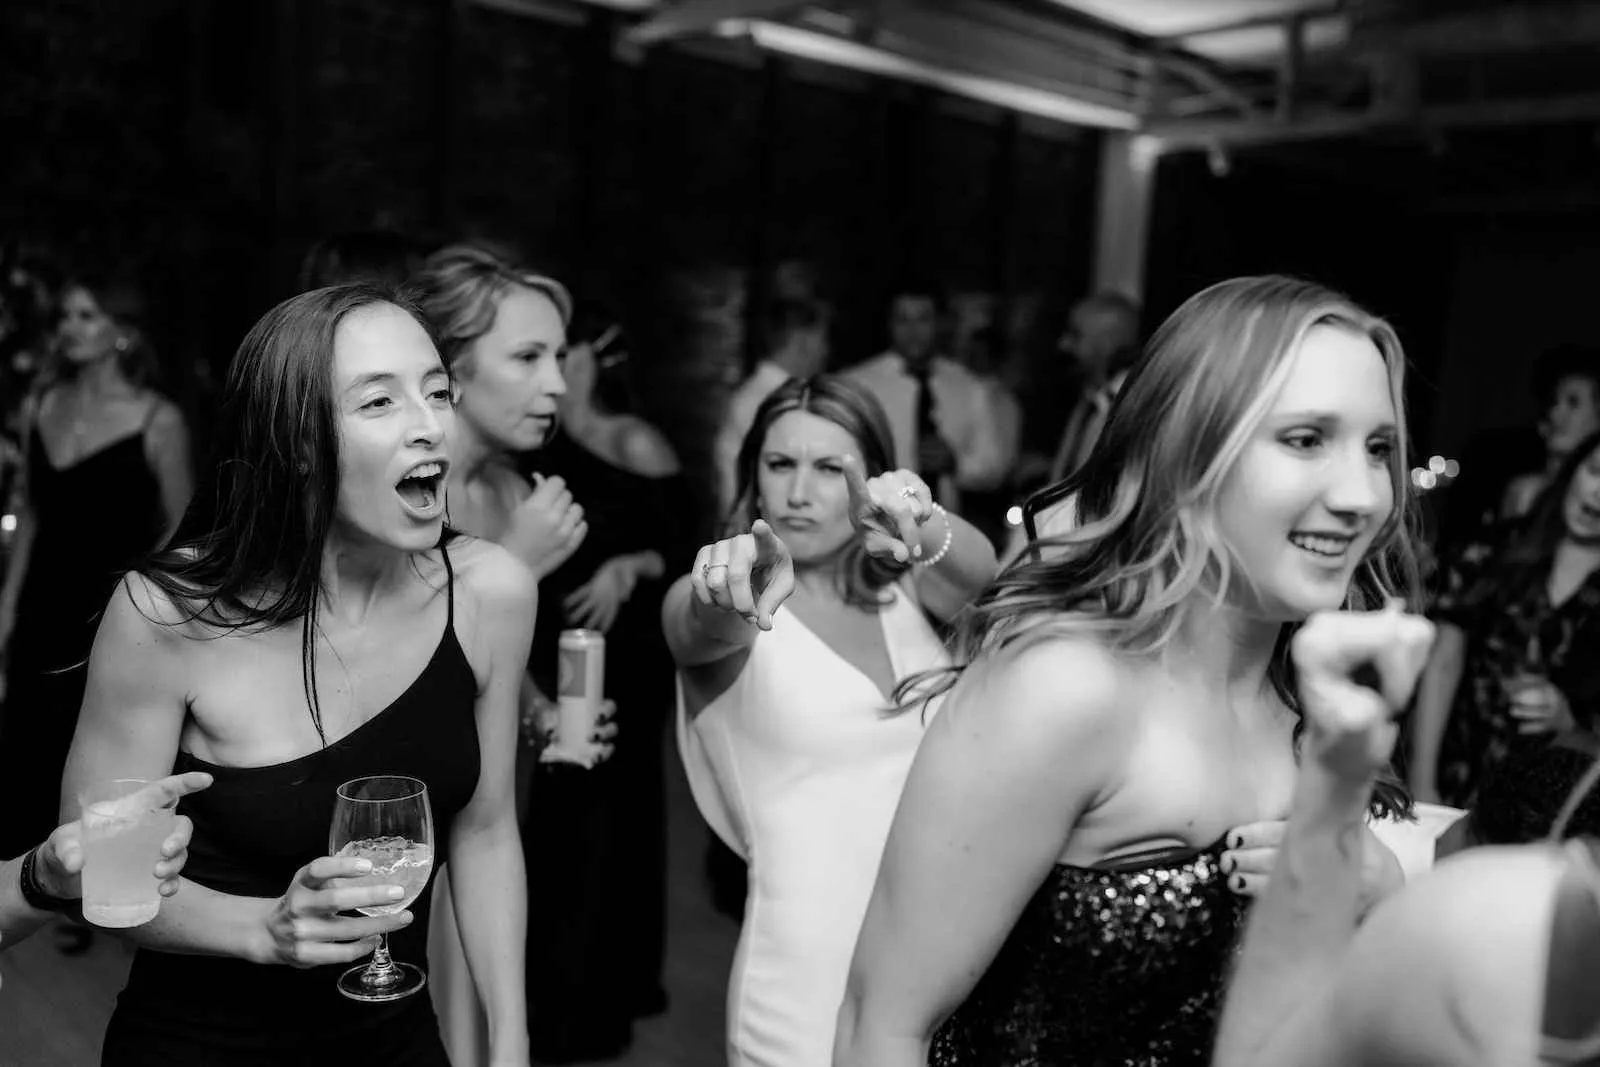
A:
(908, 491)
(705, 572)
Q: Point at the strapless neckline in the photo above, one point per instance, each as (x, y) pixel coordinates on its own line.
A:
(1120, 965)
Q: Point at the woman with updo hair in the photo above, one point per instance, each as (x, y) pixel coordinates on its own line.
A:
(502, 333)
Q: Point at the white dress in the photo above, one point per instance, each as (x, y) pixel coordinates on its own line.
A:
(799, 770)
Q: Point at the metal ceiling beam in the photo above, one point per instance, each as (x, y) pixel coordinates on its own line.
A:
(691, 17)
(1201, 134)
(1203, 76)
(952, 38)
(1253, 22)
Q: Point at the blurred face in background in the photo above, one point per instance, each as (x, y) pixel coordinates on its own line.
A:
(1095, 333)
(1581, 509)
(914, 326)
(86, 334)
(809, 351)
(1573, 414)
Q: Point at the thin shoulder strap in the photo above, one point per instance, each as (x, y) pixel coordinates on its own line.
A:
(150, 415)
(449, 587)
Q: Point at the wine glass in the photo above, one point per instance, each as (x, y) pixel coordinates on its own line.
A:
(385, 820)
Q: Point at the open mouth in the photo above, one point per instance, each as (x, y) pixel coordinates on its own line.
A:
(1322, 545)
(422, 488)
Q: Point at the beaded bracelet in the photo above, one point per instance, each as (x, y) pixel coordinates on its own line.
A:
(949, 537)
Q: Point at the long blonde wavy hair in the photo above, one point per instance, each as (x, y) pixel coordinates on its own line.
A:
(1146, 552)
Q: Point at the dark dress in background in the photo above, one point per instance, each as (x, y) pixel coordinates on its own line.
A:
(595, 840)
(1511, 627)
(253, 830)
(95, 520)
(1117, 966)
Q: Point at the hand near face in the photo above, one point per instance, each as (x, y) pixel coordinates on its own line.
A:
(1350, 728)
(888, 511)
(750, 575)
(547, 528)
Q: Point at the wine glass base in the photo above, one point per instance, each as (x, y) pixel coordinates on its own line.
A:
(410, 980)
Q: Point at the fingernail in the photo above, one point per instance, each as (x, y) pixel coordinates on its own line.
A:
(394, 892)
(1229, 864)
(1235, 840)
(363, 866)
(405, 918)
(1238, 882)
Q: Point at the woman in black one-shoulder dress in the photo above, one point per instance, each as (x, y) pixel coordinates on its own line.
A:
(319, 625)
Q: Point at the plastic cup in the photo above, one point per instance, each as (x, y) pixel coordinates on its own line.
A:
(124, 823)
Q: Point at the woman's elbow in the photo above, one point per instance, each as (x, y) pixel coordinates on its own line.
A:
(865, 1036)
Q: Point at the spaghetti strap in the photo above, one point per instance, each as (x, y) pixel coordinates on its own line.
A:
(150, 415)
(449, 589)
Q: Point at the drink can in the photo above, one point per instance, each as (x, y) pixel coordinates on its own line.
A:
(580, 685)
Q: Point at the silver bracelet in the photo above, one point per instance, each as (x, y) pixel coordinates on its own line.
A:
(949, 538)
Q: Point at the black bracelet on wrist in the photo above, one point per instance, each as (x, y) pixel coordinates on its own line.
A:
(34, 893)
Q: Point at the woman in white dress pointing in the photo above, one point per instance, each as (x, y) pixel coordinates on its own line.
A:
(786, 718)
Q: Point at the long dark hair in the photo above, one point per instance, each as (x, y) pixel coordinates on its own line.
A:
(1532, 545)
(1146, 553)
(861, 577)
(248, 553)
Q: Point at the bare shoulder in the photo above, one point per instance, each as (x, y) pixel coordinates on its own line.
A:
(145, 613)
(165, 416)
(1047, 691)
(494, 576)
(647, 451)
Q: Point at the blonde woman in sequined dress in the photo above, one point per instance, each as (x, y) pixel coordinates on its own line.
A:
(1101, 795)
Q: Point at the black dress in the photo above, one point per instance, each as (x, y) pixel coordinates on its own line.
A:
(1116, 966)
(95, 520)
(596, 839)
(1511, 627)
(253, 829)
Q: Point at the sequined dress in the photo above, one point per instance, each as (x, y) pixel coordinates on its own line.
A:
(1115, 966)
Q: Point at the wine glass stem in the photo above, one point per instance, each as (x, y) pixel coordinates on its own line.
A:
(381, 971)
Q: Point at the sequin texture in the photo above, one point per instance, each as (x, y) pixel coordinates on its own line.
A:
(1106, 967)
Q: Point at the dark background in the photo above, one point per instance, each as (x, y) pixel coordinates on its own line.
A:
(204, 145)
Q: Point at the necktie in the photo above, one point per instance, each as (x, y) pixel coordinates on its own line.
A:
(925, 426)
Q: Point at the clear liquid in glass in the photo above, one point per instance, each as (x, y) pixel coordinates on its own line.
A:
(385, 819)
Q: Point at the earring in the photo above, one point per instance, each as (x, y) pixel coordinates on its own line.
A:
(122, 343)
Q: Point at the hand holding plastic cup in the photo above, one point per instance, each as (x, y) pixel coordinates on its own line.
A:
(124, 824)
